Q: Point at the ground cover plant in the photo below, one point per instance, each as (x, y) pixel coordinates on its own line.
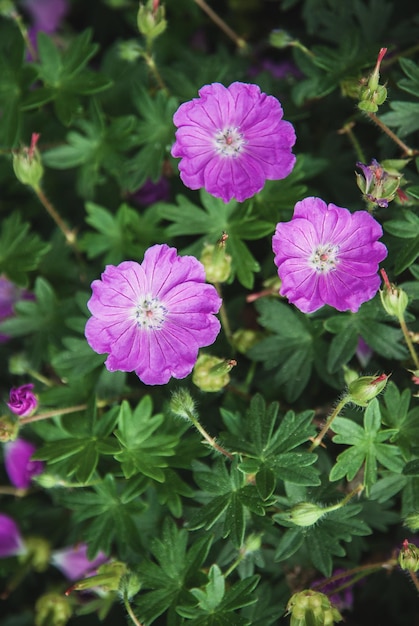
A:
(209, 242)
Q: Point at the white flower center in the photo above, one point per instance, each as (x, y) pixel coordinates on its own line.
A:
(150, 313)
(324, 258)
(229, 142)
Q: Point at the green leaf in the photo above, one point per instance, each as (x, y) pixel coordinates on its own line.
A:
(404, 116)
(20, 250)
(143, 450)
(289, 352)
(366, 447)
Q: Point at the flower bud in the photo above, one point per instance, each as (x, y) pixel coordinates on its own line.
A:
(280, 39)
(151, 19)
(372, 94)
(216, 262)
(412, 521)
(408, 558)
(182, 404)
(349, 374)
(362, 390)
(38, 553)
(7, 8)
(378, 185)
(9, 428)
(27, 164)
(306, 514)
(129, 50)
(252, 543)
(211, 373)
(52, 609)
(19, 364)
(22, 400)
(312, 608)
(393, 299)
(108, 577)
(245, 338)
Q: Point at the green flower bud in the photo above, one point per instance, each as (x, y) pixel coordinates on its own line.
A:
(306, 514)
(211, 373)
(27, 164)
(108, 577)
(7, 8)
(129, 586)
(216, 262)
(412, 521)
(252, 543)
(9, 428)
(244, 339)
(19, 364)
(312, 608)
(393, 299)
(129, 50)
(52, 609)
(372, 94)
(280, 39)
(182, 404)
(151, 19)
(408, 558)
(38, 553)
(362, 390)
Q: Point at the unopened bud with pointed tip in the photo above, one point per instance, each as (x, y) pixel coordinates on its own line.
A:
(393, 299)
(211, 373)
(216, 262)
(362, 390)
(372, 94)
(9, 428)
(27, 164)
(151, 20)
(408, 558)
(182, 404)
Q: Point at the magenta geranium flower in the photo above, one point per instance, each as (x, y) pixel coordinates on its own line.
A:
(151, 318)
(327, 255)
(231, 140)
(73, 561)
(22, 400)
(11, 542)
(19, 466)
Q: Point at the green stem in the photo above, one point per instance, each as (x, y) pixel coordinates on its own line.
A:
(131, 612)
(347, 130)
(406, 150)
(225, 323)
(234, 565)
(317, 440)
(409, 342)
(12, 491)
(24, 32)
(212, 442)
(414, 580)
(69, 235)
(240, 43)
(151, 64)
(53, 413)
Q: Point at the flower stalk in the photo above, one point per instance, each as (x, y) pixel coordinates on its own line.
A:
(240, 43)
(317, 440)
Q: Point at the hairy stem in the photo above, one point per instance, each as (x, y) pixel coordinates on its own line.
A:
(240, 43)
(69, 235)
(317, 440)
(409, 342)
(53, 413)
(212, 442)
(406, 150)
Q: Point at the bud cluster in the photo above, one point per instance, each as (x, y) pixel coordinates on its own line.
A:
(312, 608)
(372, 94)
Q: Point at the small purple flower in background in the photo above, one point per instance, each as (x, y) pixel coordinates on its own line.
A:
(342, 600)
(363, 352)
(9, 295)
(22, 400)
(18, 464)
(327, 255)
(151, 192)
(46, 16)
(11, 542)
(231, 140)
(153, 317)
(73, 561)
(280, 70)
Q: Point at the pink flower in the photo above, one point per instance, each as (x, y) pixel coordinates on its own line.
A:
(327, 255)
(153, 318)
(22, 401)
(18, 464)
(11, 542)
(232, 139)
(73, 561)
(9, 295)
